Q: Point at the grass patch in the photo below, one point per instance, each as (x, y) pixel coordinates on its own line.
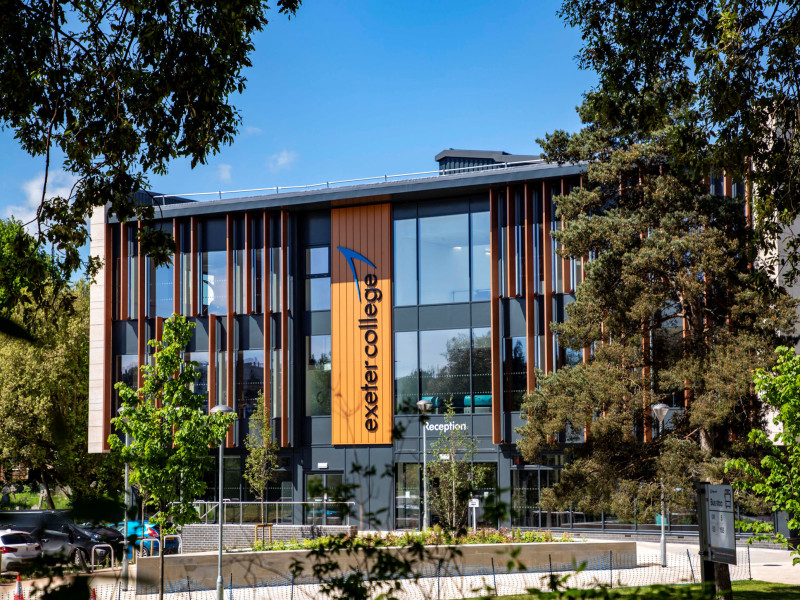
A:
(742, 590)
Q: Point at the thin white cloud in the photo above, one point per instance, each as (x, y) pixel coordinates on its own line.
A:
(59, 183)
(224, 172)
(250, 130)
(282, 160)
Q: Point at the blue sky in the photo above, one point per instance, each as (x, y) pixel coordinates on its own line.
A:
(352, 89)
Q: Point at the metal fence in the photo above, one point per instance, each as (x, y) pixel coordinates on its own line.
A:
(312, 512)
(449, 581)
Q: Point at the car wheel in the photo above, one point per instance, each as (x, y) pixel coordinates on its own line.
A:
(145, 551)
(79, 558)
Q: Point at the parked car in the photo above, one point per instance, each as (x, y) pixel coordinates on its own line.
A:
(17, 550)
(57, 535)
(143, 531)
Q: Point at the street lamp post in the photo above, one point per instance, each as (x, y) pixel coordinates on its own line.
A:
(424, 406)
(224, 409)
(661, 410)
(124, 574)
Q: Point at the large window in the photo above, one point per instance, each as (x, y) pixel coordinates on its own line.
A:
(406, 371)
(481, 257)
(318, 279)
(200, 386)
(444, 259)
(446, 366)
(434, 257)
(249, 383)
(126, 368)
(318, 375)
(405, 262)
(161, 287)
(515, 365)
(213, 273)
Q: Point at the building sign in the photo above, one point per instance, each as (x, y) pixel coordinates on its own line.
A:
(445, 427)
(718, 521)
(361, 325)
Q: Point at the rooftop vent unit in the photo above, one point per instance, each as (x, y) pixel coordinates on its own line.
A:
(453, 162)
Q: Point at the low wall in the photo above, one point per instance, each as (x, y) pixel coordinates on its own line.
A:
(263, 568)
(201, 538)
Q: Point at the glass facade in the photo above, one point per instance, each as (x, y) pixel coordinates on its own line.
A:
(440, 310)
(249, 383)
(318, 375)
(445, 367)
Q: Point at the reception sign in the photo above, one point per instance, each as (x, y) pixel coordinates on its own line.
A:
(361, 325)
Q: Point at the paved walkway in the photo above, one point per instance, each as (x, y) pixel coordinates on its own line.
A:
(766, 564)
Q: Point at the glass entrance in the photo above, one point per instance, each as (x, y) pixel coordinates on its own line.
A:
(322, 497)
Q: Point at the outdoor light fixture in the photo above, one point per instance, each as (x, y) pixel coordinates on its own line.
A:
(124, 574)
(224, 409)
(424, 406)
(661, 410)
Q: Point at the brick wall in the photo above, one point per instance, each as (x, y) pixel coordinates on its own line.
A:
(200, 538)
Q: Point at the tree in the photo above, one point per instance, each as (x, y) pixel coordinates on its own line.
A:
(778, 478)
(673, 307)
(451, 467)
(44, 399)
(262, 456)
(730, 68)
(28, 276)
(169, 436)
(118, 89)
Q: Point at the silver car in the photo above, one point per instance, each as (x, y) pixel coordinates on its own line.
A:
(17, 550)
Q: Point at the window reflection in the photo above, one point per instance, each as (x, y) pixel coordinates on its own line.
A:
(126, 368)
(249, 383)
(200, 385)
(481, 370)
(406, 371)
(515, 364)
(318, 293)
(215, 283)
(481, 257)
(405, 262)
(318, 375)
(444, 259)
(444, 368)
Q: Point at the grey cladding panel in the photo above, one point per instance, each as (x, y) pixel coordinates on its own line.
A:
(516, 317)
(481, 314)
(405, 318)
(124, 337)
(251, 332)
(199, 341)
(444, 316)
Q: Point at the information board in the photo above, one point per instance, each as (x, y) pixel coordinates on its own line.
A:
(720, 525)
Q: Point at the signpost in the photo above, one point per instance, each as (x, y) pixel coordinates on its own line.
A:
(715, 519)
(473, 504)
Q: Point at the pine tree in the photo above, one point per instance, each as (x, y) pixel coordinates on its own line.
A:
(674, 306)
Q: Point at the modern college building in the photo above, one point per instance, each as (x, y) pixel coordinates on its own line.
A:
(346, 305)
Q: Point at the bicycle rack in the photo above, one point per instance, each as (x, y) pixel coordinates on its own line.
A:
(110, 552)
(175, 536)
(150, 541)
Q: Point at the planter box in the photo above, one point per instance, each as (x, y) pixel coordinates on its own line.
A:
(265, 568)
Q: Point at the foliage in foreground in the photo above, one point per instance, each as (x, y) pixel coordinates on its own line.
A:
(169, 435)
(116, 90)
(44, 401)
(777, 476)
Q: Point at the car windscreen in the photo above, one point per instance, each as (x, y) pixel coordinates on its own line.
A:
(16, 538)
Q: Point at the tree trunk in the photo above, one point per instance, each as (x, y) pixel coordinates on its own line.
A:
(47, 495)
(723, 576)
(706, 441)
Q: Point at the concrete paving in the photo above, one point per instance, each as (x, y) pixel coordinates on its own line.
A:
(766, 564)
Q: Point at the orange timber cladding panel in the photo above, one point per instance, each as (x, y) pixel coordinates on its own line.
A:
(361, 331)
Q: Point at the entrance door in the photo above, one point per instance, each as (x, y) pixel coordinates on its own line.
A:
(323, 491)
